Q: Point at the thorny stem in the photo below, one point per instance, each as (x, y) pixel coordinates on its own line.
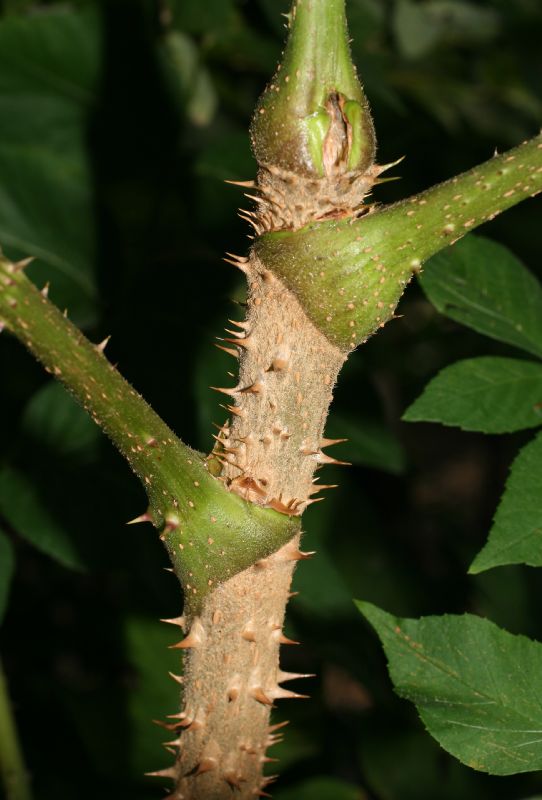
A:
(313, 295)
(211, 534)
(350, 274)
(12, 768)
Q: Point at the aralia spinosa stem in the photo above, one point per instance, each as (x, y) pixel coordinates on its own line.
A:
(325, 272)
(187, 504)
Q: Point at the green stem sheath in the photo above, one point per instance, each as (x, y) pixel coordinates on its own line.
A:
(12, 768)
(350, 274)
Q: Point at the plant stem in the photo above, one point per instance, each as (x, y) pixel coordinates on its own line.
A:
(224, 533)
(12, 767)
(350, 274)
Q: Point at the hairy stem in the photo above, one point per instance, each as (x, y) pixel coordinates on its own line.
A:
(12, 768)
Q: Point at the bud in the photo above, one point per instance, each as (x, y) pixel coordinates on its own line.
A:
(312, 132)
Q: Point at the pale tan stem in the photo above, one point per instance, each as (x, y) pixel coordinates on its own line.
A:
(270, 451)
(232, 680)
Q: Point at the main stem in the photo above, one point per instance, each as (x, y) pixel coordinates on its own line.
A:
(12, 767)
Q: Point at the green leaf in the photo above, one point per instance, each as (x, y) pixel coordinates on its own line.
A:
(27, 513)
(48, 69)
(483, 285)
(516, 535)
(53, 417)
(7, 566)
(476, 687)
(370, 443)
(188, 78)
(491, 395)
(321, 788)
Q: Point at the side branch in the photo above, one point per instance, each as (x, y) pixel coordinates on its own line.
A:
(210, 533)
(349, 275)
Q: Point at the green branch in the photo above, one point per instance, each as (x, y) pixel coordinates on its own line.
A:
(349, 275)
(210, 533)
(12, 768)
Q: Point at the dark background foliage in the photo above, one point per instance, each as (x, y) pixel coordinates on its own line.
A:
(120, 123)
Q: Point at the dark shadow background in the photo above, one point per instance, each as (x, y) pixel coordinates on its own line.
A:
(121, 122)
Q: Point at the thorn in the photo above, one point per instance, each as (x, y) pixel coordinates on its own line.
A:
(329, 442)
(234, 779)
(146, 517)
(243, 325)
(229, 350)
(243, 184)
(174, 743)
(308, 503)
(321, 487)
(205, 765)
(237, 261)
(249, 635)
(235, 410)
(278, 726)
(278, 505)
(45, 291)
(230, 392)
(102, 345)
(286, 694)
(278, 365)
(19, 266)
(294, 554)
(195, 638)
(258, 694)
(245, 342)
(255, 388)
(292, 594)
(175, 621)
(268, 760)
(283, 677)
(237, 334)
(233, 694)
(177, 678)
(284, 640)
(170, 772)
(380, 168)
(168, 726)
(322, 458)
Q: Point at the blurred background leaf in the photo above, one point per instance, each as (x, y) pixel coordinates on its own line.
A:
(121, 122)
(7, 566)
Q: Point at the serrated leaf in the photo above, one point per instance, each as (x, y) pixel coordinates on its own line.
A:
(7, 566)
(49, 64)
(27, 512)
(483, 285)
(53, 417)
(476, 687)
(516, 535)
(487, 394)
